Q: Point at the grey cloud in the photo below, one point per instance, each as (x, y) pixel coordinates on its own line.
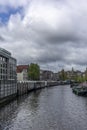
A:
(58, 41)
(2, 39)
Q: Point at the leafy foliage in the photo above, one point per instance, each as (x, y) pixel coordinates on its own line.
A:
(63, 75)
(34, 71)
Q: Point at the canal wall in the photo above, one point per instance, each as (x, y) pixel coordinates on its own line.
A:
(27, 86)
(22, 87)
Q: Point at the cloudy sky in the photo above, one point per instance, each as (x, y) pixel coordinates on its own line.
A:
(52, 33)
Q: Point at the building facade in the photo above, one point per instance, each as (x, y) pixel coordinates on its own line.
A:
(8, 81)
(46, 75)
(55, 76)
(22, 72)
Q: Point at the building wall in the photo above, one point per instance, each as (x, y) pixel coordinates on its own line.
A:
(7, 88)
(46, 75)
(8, 78)
(20, 76)
(25, 74)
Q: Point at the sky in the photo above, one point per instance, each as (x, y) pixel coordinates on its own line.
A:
(52, 33)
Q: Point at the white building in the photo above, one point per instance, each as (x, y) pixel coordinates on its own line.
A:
(22, 72)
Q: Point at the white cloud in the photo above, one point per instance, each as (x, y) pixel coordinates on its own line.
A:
(14, 3)
(50, 33)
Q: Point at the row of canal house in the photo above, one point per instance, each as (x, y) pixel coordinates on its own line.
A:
(48, 75)
(8, 78)
(22, 74)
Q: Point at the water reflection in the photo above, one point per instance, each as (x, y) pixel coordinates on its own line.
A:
(7, 113)
(12, 110)
(34, 101)
(55, 108)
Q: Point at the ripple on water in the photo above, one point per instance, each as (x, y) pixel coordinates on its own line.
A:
(55, 108)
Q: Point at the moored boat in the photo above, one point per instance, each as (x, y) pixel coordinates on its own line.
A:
(74, 84)
(80, 89)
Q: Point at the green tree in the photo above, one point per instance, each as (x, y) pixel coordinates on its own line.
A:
(34, 72)
(80, 78)
(63, 75)
(86, 74)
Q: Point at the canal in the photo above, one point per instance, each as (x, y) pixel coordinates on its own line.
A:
(54, 108)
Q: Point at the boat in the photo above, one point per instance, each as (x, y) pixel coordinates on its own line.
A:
(80, 90)
(74, 84)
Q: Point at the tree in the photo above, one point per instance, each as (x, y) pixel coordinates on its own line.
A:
(34, 72)
(79, 78)
(86, 74)
(63, 75)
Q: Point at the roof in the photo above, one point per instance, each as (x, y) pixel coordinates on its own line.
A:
(20, 68)
(5, 51)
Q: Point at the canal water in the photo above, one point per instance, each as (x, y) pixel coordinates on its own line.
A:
(54, 108)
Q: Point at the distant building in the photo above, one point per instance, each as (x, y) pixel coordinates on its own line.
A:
(55, 76)
(72, 74)
(46, 75)
(8, 81)
(79, 73)
(22, 72)
(84, 74)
